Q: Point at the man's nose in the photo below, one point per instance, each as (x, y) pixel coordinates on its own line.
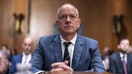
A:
(68, 18)
(27, 46)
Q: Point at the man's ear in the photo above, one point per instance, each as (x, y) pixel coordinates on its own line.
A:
(118, 46)
(57, 23)
(78, 26)
(79, 22)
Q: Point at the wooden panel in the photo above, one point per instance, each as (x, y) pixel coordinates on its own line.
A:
(7, 31)
(6, 28)
(20, 7)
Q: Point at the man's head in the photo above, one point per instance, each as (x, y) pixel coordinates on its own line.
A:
(4, 46)
(68, 19)
(123, 46)
(27, 45)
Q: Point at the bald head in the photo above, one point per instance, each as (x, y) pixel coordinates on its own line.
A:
(28, 39)
(65, 6)
(27, 45)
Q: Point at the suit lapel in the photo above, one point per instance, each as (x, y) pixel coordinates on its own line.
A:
(119, 62)
(128, 62)
(56, 47)
(77, 53)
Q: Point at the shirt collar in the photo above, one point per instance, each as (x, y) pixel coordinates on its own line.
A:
(121, 55)
(26, 55)
(72, 40)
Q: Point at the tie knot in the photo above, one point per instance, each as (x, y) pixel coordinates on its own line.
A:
(67, 44)
(123, 57)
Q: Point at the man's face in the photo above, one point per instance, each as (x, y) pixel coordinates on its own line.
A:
(27, 46)
(68, 21)
(124, 45)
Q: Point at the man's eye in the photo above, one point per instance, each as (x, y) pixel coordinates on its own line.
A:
(72, 16)
(63, 17)
(27, 44)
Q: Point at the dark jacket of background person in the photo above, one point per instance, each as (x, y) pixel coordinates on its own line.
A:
(116, 65)
(16, 59)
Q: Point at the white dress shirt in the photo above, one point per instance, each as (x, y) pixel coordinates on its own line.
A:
(70, 47)
(121, 55)
(26, 58)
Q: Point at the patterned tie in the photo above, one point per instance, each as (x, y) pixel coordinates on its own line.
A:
(66, 53)
(124, 65)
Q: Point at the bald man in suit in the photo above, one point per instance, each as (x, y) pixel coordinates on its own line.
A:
(24, 57)
(84, 54)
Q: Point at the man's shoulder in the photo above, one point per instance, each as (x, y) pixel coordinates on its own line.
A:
(17, 56)
(114, 55)
(129, 54)
(48, 36)
(87, 38)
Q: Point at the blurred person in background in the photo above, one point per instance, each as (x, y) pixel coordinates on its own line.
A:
(3, 63)
(121, 61)
(24, 57)
(105, 57)
(13, 52)
(130, 50)
(106, 52)
(4, 49)
(10, 54)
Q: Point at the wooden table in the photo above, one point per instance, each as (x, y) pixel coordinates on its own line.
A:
(77, 73)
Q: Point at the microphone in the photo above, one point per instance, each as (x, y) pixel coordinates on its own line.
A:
(91, 52)
(91, 67)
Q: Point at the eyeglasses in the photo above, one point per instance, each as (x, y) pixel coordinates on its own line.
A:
(65, 17)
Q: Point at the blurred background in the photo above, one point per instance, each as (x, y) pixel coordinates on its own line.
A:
(104, 20)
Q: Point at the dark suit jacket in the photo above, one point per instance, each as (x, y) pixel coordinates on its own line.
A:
(116, 65)
(49, 51)
(16, 59)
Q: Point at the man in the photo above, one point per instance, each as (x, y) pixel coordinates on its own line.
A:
(23, 57)
(121, 62)
(51, 53)
(4, 49)
(3, 63)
